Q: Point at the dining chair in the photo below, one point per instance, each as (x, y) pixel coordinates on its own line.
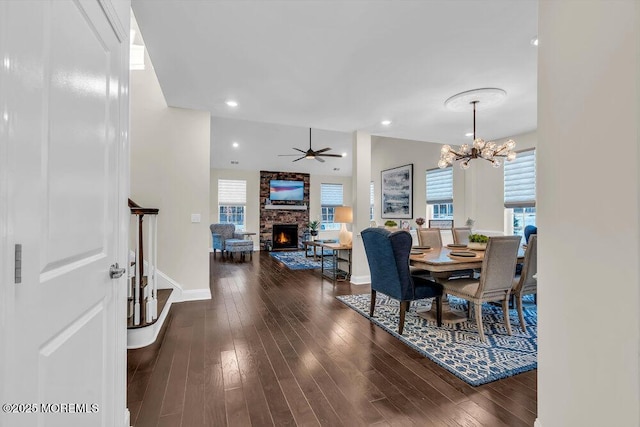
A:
(429, 237)
(461, 235)
(495, 282)
(526, 283)
(388, 258)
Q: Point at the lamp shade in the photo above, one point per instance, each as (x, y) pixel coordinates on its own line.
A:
(343, 214)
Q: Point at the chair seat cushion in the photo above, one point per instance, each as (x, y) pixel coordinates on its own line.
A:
(462, 287)
(238, 245)
(425, 288)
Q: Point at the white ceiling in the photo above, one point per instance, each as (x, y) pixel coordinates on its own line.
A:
(344, 66)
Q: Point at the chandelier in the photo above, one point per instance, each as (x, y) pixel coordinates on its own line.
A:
(480, 149)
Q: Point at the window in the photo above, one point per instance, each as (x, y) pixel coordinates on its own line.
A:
(520, 191)
(371, 198)
(440, 193)
(330, 197)
(232, 200)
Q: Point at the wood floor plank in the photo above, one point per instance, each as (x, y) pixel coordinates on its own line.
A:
(273, 347)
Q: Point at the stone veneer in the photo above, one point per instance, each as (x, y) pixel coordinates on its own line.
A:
(270, 216)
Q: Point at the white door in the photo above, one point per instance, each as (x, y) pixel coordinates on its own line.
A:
(63, 193)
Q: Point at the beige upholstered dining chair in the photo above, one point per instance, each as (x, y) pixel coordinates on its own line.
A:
(461, 235)
(526, 284)
(429, 237)
(495, 282)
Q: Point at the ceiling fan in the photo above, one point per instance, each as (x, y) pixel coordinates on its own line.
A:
(312, 154)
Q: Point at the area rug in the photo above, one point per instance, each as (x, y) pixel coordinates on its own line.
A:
(458, 348)
(297, 261)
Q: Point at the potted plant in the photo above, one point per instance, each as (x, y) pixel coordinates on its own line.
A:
(419, 222)
(313, 227)
(478, 242)
(390, 224)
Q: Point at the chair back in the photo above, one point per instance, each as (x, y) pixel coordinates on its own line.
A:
(224, 230)
(461, 235)
(430, 237)
(388, 258)
(528, 231)
(499, 265)
(528, 284)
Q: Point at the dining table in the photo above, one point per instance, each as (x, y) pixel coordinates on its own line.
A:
(442, 264)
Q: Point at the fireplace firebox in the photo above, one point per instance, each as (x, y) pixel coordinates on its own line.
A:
(285, 237)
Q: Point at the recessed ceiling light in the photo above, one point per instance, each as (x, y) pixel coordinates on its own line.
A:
(385, 122)
(231, 103)
(534, 41)
(468, 134)
(344, 154)
(235, 145)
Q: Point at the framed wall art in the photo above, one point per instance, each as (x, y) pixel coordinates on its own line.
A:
(397, 192)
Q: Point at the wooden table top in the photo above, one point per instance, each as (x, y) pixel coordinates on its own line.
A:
(438, 260)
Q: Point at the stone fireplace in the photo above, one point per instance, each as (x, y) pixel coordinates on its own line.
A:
(285, 236)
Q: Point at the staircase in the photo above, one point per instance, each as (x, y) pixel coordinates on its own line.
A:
(147, 305)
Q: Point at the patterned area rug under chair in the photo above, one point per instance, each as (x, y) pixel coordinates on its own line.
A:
(457, 347)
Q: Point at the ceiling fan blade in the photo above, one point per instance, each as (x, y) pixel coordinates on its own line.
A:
(299, 158)
(323, 150)
(319, 159)
(284, 155)
(330, 155)
(297, 149)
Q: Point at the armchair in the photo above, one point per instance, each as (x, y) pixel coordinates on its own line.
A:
(219, 235)
(388, 258)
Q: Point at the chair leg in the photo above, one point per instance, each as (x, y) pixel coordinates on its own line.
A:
(373, 302)
(439, 310)
(505, 314)
(478, 309)
(403, 310)
(523, 325)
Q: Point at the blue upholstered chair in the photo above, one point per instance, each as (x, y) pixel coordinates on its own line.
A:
(528, 231)
(388, 257)
(219, 234)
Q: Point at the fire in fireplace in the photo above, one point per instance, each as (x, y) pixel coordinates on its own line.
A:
(285, 236)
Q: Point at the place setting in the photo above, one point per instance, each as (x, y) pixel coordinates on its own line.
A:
(419, 250)
(462, 255)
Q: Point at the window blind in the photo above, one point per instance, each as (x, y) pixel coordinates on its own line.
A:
(440, 186)
(371, 193)
(520, 181)
(331, 194)
(232, 192)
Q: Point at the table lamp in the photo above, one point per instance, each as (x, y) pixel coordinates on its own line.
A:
(344, 215)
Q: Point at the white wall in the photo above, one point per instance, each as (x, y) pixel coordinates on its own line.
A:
(588, 297)
(170, 171)
(478, 192)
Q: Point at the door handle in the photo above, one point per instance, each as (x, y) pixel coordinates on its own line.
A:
(115, 272)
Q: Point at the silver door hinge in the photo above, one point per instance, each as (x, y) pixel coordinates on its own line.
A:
(18, 264)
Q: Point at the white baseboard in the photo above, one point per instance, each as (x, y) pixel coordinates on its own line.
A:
(361, 280)
(127, 418)
(195, 295)
(537, 423)
(166, 282)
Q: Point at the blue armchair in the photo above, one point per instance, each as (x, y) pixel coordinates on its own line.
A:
(219, 234)
(388, 257)
(528, 231)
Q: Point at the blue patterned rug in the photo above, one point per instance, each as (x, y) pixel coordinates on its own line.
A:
(458, 348)
(296, 260)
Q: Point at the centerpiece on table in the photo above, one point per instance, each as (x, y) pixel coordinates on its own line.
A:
(391, 225)
(478, 242)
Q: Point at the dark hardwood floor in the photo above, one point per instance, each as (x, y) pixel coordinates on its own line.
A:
(274, 347)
